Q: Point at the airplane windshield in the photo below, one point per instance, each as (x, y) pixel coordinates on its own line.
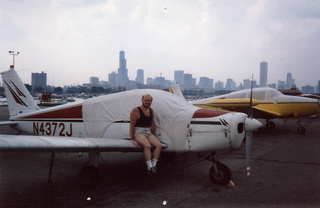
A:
(237, 95)
(274, 93)
(260, 95)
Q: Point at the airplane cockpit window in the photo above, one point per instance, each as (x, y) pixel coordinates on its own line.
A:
(259, 95)
(237, 95)
(274, 93)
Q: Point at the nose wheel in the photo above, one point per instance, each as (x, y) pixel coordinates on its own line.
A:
(219, 173)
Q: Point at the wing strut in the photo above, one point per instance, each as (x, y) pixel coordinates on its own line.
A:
(53, 156)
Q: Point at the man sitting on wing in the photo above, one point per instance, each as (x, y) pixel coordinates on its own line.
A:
(142, 130)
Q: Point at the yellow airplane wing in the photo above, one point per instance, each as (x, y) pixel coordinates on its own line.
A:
(275, 113)
(229, 103)
(240, 105)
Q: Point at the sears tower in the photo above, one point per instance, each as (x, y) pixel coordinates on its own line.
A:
(122, 71)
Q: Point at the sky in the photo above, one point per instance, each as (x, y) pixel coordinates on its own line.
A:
(72, 40)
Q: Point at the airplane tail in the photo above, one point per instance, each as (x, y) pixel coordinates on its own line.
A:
(175, 89)
(19, 99)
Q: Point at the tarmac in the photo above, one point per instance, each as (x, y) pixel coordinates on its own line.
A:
(285, 173)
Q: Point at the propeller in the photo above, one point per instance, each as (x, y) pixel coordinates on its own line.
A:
(249, 127)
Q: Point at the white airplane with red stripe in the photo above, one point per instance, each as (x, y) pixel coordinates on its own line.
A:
(101, 124)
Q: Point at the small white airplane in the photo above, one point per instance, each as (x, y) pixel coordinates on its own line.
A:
(267, 103)
(101, 124)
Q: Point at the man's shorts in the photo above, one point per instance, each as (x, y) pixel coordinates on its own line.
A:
(140, 136)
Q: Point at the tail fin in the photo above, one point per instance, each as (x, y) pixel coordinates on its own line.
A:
(19, 99)
(175, 89)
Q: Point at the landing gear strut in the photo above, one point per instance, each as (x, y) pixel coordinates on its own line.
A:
(90, 174)
(219, 173)
(51, 166)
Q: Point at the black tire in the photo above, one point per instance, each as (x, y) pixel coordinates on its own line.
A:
(222, 177)
(168, 156)
(88, 176)
(301, 130)
(270, 125)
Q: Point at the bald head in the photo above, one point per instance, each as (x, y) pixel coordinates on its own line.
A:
(147, 100)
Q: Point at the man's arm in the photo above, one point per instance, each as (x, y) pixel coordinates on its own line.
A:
(134, 115)
(153, 126)
(133, 120)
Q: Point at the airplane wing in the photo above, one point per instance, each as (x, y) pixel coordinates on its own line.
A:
(63, 144)
(2, 123)
(228, 103)
(240, 105)
(273, 113)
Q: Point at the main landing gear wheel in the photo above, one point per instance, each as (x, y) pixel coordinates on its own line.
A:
(222, 176)
(89, 175)
(270, 125)
(301, 130)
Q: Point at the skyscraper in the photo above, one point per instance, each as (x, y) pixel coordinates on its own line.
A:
(94, 81)
(281, 85)
(205, 82)
(38, 81)
(246, 84)
(122, 71)
(230, 85)
(263, 74)
(149, 81)
(113, 77)
(187, 80)
(219, 85)
(290, 82)
(140, 76)
(179, 77)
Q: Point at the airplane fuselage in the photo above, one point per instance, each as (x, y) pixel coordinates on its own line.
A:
(207, 132)
(267, 103)
(101, 124)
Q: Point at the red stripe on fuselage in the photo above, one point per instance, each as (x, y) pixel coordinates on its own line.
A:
(75, 112)
(206, 113)
(70, 113)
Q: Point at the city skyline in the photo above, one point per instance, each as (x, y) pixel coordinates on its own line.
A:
(204, 82)
(263, 69)
(72, 41)
(38, 80)
(184, 79)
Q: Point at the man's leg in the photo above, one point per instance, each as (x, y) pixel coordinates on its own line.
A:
(146, 148)
(155, 142)
(143, 141)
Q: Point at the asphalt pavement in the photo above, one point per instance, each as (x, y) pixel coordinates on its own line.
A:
(285, 173)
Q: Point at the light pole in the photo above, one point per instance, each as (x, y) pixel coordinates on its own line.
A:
(13, 54)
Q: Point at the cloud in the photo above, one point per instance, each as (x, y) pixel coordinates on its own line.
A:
(73, 40)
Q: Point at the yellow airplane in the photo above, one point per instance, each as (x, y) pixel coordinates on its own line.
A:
(267, 103)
